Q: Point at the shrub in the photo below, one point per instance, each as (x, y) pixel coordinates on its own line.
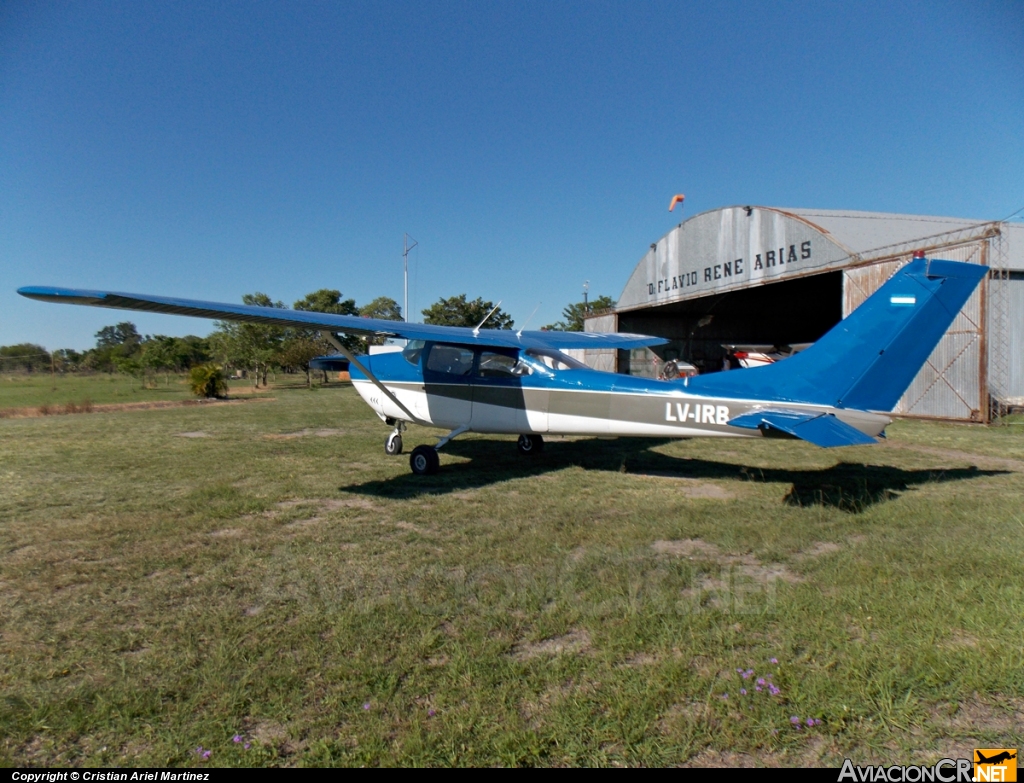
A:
(207, 380)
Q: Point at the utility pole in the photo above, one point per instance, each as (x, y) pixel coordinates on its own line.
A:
(586, 289)
(405, 257)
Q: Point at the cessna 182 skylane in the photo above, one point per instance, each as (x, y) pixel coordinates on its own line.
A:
(838, 392)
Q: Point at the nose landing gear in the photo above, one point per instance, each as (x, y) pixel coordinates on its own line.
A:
(393, 444)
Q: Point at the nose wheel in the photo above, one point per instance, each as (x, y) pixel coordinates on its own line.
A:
(393, 445)
(530, 444)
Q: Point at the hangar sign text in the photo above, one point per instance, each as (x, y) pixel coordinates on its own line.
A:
(740, 268)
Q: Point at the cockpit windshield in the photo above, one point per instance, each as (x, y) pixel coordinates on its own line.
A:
(555, 360)
(412, 351)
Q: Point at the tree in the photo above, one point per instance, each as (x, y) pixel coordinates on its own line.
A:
(67, 359)
(123, 335)
(249, 344)
(384, 308)
(131, 366)
(299, 350)
(327, 300)
(575, 313)
(113, 343)
(456, 311)
(24, 356)
(174, 354)
(306, 344)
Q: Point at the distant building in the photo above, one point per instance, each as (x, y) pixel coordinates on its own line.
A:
(762, 275)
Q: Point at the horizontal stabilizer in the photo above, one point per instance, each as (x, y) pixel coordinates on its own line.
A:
(823, 430)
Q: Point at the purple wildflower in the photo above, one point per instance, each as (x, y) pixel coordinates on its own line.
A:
(773, 690)
(810, 721)
(794, 720)
(773, 660)
(366, 706)
(724, 696)
(237, 738)
(758, 688)
(431, 713)
(247, 746)
(743, 691)
(760, 681)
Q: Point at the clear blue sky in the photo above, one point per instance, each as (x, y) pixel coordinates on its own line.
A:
(207, 150)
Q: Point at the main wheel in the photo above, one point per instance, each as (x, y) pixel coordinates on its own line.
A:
(424, 460)
(530, 444)
(393, 445)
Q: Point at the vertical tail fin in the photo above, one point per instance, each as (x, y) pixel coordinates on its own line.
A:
(869, 359)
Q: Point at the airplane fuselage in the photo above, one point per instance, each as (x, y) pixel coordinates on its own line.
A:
(559, 400)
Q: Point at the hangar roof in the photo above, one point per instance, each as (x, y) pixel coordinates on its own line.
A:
(866, 231)
(738, 246)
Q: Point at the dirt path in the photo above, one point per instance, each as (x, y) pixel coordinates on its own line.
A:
(36, 411)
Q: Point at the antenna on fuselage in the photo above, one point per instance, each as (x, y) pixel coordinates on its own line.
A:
(476, 332)
(519, 334)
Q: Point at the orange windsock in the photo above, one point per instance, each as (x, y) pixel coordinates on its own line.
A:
(677, 199)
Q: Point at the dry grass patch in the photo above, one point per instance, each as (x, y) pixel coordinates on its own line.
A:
(975, 716)
(576, 642)
(688, 487)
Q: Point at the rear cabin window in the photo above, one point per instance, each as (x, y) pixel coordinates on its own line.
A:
(450, 359)
(496, 365)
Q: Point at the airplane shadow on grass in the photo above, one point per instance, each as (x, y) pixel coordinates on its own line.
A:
(848, 486)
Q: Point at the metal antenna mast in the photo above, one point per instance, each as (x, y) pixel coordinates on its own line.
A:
(405, 257)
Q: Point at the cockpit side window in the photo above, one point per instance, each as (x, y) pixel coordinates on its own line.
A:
(412, 351)
(496, 365)
(555, 360)
(450, 359)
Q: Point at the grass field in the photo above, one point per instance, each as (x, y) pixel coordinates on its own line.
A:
(32, 390)
(173, 580)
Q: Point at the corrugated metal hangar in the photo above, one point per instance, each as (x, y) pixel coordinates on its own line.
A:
(762, 275)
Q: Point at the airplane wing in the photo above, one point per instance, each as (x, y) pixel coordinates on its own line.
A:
(351, 324)
(823, 430)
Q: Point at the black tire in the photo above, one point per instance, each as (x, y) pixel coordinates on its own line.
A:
(530, 444)
(393, 445)
(424, 460)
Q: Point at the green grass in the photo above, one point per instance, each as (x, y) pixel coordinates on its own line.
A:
(284, 580)
(31, 390)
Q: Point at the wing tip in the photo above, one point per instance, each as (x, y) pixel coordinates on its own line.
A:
(45, 293)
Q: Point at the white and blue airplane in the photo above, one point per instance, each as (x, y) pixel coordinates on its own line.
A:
(838, 392)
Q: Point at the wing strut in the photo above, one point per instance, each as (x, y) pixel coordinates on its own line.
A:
(373, 378)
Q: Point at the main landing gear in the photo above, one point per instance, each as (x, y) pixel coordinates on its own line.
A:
(424, 460)
(530, 444)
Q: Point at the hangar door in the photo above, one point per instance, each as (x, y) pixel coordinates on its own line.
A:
(952, 383)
